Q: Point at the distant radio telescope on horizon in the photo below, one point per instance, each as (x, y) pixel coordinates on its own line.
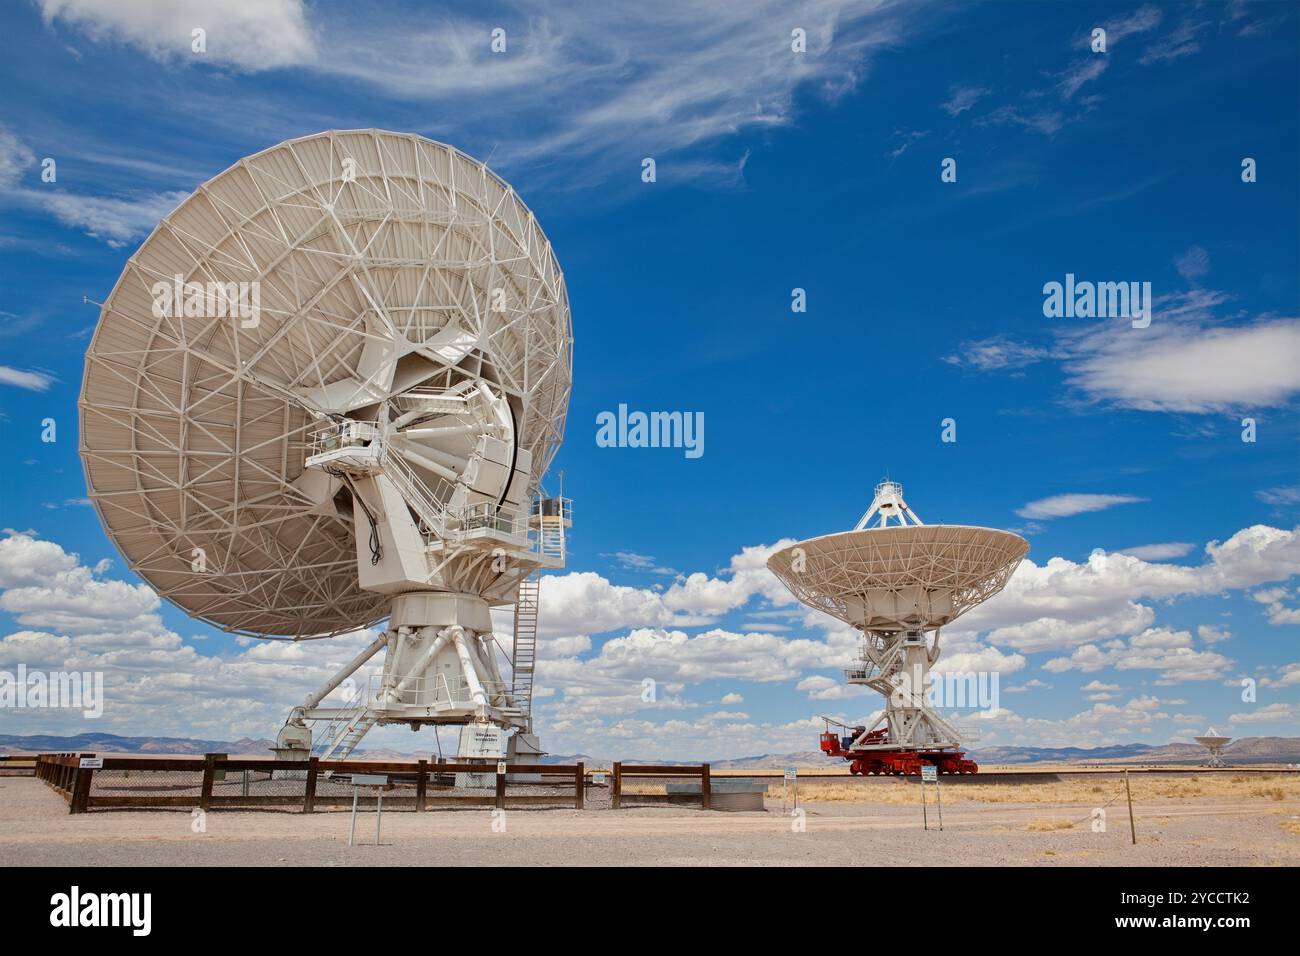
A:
(1212, 741)
(323, 393)
(898, 585)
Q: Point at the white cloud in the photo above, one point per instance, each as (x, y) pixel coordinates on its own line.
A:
(15, 158)
(1061, 604)
(1182, 41)
(1096, 685)
(994, 354)
(1081, 72)
(114, 219)
(1170, 653)
(248, 35)
(1193, 263)
(1139, 21)
(1285, 495)
(1212, 635)
(33, 381)
(73, 617)
(1062, 506)
(962, 98)
(1268, 714)
(1047, 122)
(1180, 369)
(587, 80)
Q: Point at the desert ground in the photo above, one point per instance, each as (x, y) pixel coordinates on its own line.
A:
(1195, 820)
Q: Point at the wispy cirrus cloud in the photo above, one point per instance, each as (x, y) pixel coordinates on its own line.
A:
(962, 97)
(1193, 264)
(1063, 506)
(248, 35)
(1184, 40)
(587, 80)
(1190, 360)
(30, 380)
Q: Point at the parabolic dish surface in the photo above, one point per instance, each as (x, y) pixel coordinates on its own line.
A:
(970, 564)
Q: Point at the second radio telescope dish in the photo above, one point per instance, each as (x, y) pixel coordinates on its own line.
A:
(318, 279)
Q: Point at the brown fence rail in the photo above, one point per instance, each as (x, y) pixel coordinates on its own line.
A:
(17, 765)
(216, 782)
(621, 795)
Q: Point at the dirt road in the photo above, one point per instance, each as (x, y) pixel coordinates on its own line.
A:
(35, 828)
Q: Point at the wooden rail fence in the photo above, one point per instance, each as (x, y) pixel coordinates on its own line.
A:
(17, 765)
(621, 770)
(207, 782)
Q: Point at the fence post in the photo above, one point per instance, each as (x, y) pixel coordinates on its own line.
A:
(706, 791)
(579, 785)
(209, 769)
(618, 785)
(309, 798)
(501, 791)
(81, 788)
(421, 785)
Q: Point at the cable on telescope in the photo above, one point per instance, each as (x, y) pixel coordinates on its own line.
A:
(376, 550)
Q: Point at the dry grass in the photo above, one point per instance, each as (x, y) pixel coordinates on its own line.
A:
(1291, 826)
(1075, 791)
(1043, 826)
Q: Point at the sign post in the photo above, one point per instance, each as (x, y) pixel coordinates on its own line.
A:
(930, 774)
(791, 777)
(359, 780)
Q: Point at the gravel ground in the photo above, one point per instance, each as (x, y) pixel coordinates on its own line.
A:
(35, 828)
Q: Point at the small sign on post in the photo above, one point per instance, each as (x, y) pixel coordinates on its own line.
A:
(360, 780)
(501, 766)
(930, 774)
(790, 780)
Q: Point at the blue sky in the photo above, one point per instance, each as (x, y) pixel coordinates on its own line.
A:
(775, 171)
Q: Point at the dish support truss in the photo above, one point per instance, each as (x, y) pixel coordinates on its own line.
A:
(447, 557)
(896, 664)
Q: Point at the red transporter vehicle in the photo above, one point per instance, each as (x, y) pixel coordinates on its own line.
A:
(896, 762)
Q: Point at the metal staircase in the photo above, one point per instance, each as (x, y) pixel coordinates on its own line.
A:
(524, 655)
(341, 734)
(417, 494)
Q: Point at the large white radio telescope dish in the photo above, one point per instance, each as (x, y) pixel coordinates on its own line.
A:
(374, 277)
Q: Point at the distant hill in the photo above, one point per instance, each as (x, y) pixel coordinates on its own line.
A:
(111, 743)
(1244, 750)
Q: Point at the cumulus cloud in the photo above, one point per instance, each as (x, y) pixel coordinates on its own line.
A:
(655, 671)
(1169, 653)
